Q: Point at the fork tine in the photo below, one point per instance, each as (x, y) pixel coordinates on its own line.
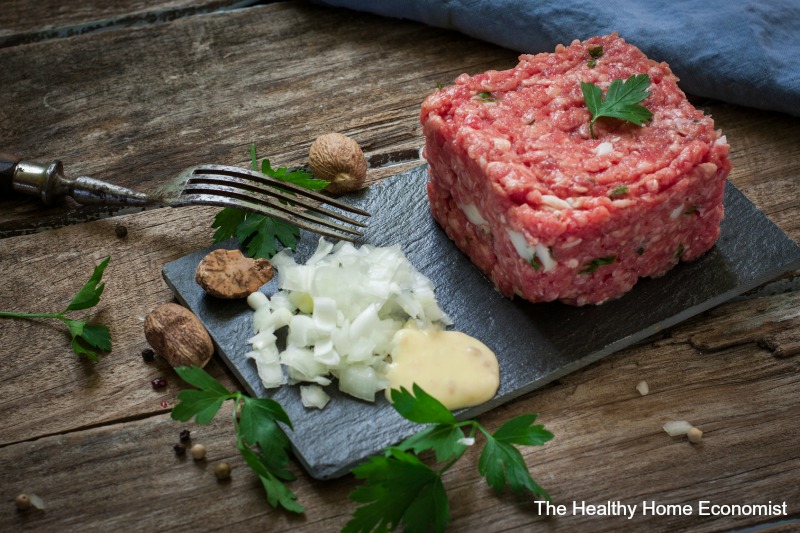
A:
(245, 192)
(268, 185)
(300, 219)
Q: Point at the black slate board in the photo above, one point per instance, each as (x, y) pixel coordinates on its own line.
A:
(534, 343)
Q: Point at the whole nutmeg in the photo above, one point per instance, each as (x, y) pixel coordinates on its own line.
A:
(338, 159)
(178, 336)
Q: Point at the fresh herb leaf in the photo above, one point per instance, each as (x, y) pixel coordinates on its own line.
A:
(420, 407)
(261, 442)
(501, 463)
(297, 177)
(640, 250)
(446, 441)
(86, 339)
(401, 491)
(618, 192)
(680, 250)
(520, 430)
(621, 100)
(485, 97)
(278, 494)
(259, 235)
(596, 263)
(227, 222)
(90, 293)
(536, 263)
(595, 53)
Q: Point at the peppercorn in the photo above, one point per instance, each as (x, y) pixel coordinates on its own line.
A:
(148, 355)
(198, 452)
(158, 383)
(185, 435)
(180, 449)
(23, 502)
(222, 471)
(121, 231)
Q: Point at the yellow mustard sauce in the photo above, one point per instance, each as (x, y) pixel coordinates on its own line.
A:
(456, 369)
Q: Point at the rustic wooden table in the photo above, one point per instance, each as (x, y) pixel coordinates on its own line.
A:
(135, 92)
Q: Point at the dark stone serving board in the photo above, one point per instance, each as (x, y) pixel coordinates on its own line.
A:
(535, 343)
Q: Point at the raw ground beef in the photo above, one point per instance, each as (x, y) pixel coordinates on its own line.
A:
(548, 212)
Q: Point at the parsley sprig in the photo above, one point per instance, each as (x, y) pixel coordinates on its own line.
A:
(400, 489)
(86, 338)
(259, 234)
(621, 101)
(260, 440)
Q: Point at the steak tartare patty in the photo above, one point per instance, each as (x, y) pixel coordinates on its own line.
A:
(550, 213)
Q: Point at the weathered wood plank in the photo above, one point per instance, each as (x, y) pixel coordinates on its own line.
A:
(609, 446)
(26, 22)
(202, 89)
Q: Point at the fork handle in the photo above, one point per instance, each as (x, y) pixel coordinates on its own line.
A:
(46, 181)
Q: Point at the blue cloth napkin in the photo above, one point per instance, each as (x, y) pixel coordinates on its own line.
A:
(745, 52)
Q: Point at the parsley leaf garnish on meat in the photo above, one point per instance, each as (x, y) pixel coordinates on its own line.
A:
(86, 338)
(621, 101)
(259, 234)
(401, 491)
(261, 442)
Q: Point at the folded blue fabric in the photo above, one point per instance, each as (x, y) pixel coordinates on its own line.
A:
(745, 52)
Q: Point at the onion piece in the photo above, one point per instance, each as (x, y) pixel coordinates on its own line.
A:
(677, 427)
(643, 388)
(313, 396)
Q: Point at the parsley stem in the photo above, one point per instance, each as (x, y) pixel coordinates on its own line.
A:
(6, 314)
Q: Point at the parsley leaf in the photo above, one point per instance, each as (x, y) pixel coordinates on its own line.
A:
(597, 262)
(401, 491)
(420, 407)
(259, 234)
(85, 338)
(621, 101)
(261, 442)
(501, 462)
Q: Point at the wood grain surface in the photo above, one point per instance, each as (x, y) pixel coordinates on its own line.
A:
(136, 104)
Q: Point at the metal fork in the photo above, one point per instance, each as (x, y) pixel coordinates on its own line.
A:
(217, 185)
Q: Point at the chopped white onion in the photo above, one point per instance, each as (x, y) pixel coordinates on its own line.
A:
(313, 396)
(643, 388)
(257, 300)
(677, 427)
(342, 309)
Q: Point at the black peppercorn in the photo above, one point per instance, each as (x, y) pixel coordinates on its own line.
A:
(158, 383)
(121, 231)
(180, 449)
(148, 355)
(185, 434)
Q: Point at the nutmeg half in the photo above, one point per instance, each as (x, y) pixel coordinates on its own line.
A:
(177, 335)
(229, 274)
